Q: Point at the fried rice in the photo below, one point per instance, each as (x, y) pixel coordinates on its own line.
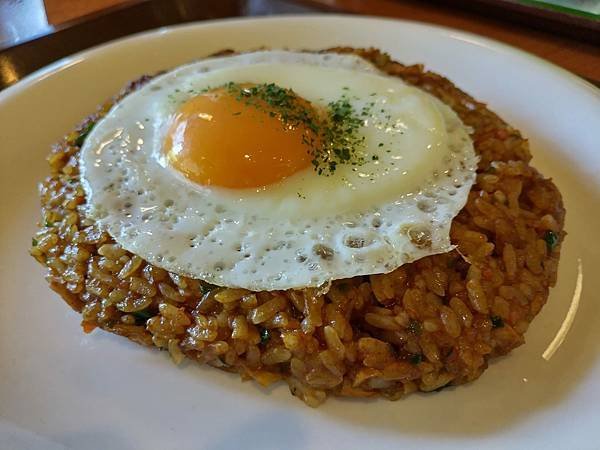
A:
(429, 324)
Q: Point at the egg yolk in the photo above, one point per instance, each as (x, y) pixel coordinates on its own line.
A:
(220, 138)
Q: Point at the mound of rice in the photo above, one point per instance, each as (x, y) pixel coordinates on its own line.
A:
(429, 324)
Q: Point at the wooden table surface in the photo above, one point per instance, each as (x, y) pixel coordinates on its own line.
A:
(577, 55)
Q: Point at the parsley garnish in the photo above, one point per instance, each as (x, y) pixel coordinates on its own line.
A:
(265, 335)
(551, 239)
(414, 327)
(340, 138)
(83, 134)
(332, 138)
(141, 316)
(415, 358)
(497, 321)
(206, 287)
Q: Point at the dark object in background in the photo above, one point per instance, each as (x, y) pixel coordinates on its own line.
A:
(581, 26)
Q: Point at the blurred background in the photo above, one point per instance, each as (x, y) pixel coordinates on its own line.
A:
(33, 33)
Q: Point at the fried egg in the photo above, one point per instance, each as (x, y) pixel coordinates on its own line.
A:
(278, 170)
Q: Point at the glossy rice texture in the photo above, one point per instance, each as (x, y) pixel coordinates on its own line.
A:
(429, 324)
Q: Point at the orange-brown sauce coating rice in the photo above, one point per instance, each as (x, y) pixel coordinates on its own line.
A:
(426, 325)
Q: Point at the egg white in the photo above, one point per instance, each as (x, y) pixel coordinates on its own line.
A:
(307, 229)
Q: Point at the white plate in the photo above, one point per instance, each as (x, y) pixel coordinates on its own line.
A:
(59, 387)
